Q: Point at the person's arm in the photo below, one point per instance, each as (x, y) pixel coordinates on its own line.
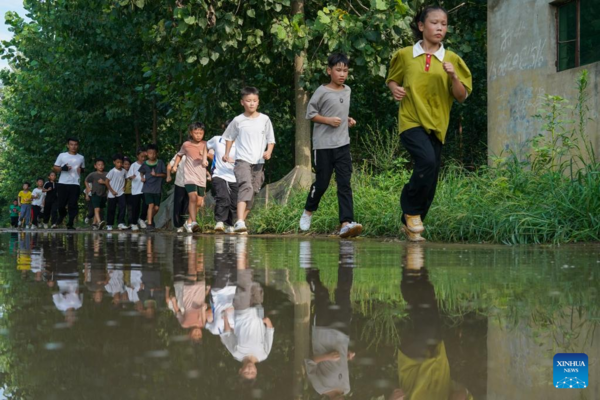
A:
(270, 136)
(211, 155)
(205, 157)
(178, 158)
(230, 135)
(397, 91)
(458, 89)
(332, 121)
(267, 154)
(110, 189)
(269, 333)
(161, 167)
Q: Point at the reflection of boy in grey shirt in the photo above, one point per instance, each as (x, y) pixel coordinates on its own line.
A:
(329, 109)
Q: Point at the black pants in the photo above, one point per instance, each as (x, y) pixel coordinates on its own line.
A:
(339, 315)
(37, 211)
(14, 222)
(180, 206)
(128, 202)
(326, 162)
(226, 195)
(112, 207)
(51, 210)
(90, 210)
(139, 210)
(418, 193)
(68, 195)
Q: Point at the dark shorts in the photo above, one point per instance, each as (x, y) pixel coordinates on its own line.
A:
(152, 198)
(98, 201)
(195, 188)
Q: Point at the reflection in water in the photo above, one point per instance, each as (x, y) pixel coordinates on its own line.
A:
(153, 316)
(423, 367)
(327, 369)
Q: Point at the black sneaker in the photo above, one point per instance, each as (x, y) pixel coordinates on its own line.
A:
(150, 227)
(71, 228)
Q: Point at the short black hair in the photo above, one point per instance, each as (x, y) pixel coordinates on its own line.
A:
(117, 156)
(17, 200)
(39, 179)
(26, 183)
(152, 146)
(196, 125)
(337, 58)
(72, 139)
(99, 159)
(421, 16)
(248, 90)
(140, 150)
(127, 159)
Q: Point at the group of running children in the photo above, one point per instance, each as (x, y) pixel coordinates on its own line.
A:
(425, 78)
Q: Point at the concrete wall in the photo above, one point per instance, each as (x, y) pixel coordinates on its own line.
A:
(521, 67)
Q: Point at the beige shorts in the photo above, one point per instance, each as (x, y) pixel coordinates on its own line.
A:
(250, 178)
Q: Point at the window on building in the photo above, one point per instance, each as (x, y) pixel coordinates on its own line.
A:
(578, 32)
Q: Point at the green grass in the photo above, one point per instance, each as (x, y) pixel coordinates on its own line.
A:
(510, 205)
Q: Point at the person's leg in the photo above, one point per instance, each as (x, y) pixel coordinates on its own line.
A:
(54, 212)
(97, 217)
(36, 213)
(112, 207)
(413, 199)
(222, 198)
(144, 207)
(135, 209)
(324, 162)
(150, 212)
(63, 198)
(128, 207)
(72, 203)
(343, 177)
(90, 209)
(27, 208)
(177, 201)
(233, 199)
(122, 203)
(437, 148)
(193, 206)
(243, 175)
(14, 221)
(47, 211)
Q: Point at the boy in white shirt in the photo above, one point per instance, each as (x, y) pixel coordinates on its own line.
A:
(253, 133)
(224, 185)
(71, 165)
(115, 182)
(139, 209)
(38, 197)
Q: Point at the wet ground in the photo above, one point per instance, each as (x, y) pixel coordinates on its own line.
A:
(125, 316)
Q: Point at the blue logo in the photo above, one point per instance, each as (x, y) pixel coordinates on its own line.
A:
(571, 371)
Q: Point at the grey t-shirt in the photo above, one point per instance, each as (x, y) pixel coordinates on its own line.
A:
(330, 103)
(153, 184)
(99, 189)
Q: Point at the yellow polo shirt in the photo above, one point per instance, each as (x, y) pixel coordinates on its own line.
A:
(428, 88)
(25, 197)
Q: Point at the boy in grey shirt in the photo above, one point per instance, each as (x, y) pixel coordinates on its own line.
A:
(329, 109)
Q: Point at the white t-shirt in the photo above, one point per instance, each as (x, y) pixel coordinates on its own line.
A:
(115, 283)
(136, 283)
(329, 375)
(222, 170)
(40, 200)
(136, 183)
(180, 175)
(74, 161)
(250, 336)
(222, 300)
(68, 296)
(251, 136)
(117, 182)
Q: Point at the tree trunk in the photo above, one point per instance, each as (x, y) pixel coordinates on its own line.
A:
(302, 142)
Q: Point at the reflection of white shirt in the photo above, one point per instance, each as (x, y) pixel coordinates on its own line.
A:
(136, 183)
(115, 283)
(40, 199)
(222, 170)
(68, 296)
(37, 260)
(250, 336)
(74, 161)
(329, 375)
(222, 299)
(136, 283)
(180, 174)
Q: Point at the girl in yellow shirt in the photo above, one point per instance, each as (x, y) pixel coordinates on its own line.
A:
(425, 79)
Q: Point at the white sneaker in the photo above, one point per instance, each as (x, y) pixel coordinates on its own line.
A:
(229, 230)
(305, 221)
(220, 227)
(180, 229)
(195, 227)
(240, 227)
(134, 228)
(188, 227)
(33, 226)
(45, 226)
(122, 227)
(142, 223)
(109, 227)
(353, 229)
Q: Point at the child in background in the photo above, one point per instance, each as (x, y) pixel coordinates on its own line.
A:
(96, 185)
(37, 202)
(139, 209)
(152, 171)
(329, 109)
(195, 165)
(224, 185)
(115, 182)
(25, 199)
(253, 133)
(127, 190)
(14, 213)
(180, 196)
(51, 201)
